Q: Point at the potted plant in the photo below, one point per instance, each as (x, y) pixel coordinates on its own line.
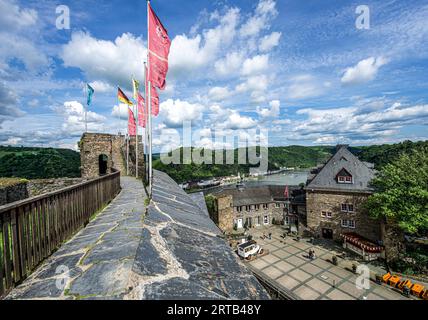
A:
(334, 260)
(354, 268)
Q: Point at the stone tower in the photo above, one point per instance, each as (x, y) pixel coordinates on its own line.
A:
(101, 153)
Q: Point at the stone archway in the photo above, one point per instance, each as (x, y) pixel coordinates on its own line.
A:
(102, 164)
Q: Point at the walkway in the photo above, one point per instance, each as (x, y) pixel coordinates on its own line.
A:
(96, 262)
(289, 268)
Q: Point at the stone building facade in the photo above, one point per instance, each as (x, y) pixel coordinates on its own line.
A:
(334, 198)
(102, 153)
(252, 207)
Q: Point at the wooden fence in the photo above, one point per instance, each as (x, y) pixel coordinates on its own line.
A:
(31, 229)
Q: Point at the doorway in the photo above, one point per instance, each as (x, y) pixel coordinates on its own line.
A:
(102, 164)
(327, 233)
(239, 223)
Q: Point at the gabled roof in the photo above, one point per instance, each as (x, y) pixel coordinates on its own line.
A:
(362, 173)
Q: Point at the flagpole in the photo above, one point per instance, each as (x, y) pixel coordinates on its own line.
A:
(149, 87)
(145, 127)
(86, 109)
(136, 140)
(127, 145)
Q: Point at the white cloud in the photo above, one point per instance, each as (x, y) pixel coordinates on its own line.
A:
(188, 54)
(219, 93)
(230, 64)
(270, 41)
(256, 83)
(112, 62)
(255, 65)
(74, 114)
(265, 11)
(175, 112)
(101, 86)
(364, 71)
(13, 17)
(273, 112)
(120, 111)
(305, 86)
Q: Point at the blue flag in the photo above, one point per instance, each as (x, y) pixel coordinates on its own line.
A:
(90, 93)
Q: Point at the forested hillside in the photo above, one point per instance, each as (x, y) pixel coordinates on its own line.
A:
(38, 163)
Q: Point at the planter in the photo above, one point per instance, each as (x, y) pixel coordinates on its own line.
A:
(334, 260)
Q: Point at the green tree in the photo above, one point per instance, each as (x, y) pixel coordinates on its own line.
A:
(401, 192)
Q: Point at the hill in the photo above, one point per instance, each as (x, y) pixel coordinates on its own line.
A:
(38, 163)
(290, 156)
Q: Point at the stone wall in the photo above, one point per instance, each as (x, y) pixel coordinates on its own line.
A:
(94, 145)
(319, 201)
(41, 186)
(225, 213)
(12, 189)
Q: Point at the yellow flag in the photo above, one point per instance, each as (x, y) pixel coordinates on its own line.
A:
(135, 85)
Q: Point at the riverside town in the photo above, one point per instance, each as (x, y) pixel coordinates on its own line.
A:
(211, 159)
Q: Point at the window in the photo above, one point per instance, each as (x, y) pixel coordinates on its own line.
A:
(258, 220)
(344, 176)
(239, 209)
(257, 207)
(326, 214)
(277, 205)
(247, 208)
(265, 206)
(348, 224)
(266, 219)
(348, 179)
(341, 179)
(344, 207)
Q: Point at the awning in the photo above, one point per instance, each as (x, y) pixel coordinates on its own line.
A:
(361, 242)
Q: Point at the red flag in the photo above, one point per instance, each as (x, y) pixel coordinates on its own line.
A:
(154, 97)
(159, 44)
(141, 111)
(132, 127)
(286, 194)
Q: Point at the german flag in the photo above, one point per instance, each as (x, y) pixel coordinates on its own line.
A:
(123, 98)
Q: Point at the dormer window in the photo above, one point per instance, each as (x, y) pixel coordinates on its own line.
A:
(344, 177)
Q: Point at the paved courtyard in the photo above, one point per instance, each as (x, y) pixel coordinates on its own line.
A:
(288, 266)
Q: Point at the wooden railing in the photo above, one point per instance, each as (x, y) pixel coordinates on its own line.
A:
(31, 229)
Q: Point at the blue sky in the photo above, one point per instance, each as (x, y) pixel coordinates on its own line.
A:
(282, 72)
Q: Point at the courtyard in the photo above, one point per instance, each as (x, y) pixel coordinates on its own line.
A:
(288, 266)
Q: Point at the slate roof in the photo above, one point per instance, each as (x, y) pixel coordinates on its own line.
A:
(255, 194)
(182, 255)
(362, 173)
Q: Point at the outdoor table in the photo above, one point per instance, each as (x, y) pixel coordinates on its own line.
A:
(394, 280)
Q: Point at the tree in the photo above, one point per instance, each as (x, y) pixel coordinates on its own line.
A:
(401, 192)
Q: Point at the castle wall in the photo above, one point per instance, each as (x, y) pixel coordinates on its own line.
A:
(92, 145)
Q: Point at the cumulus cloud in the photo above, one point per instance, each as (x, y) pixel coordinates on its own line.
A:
(188, 54)
(270, 41)
(112, 62)
(175, 112)
(349, 124)
(255, 83)
(74, 117)
(265, 11)
(255, 65)
(14, 17)
(101, 86)
(226, 118)
(365, 70)
(230, 64)
(273, 112)
(8, 104)
(219, 93)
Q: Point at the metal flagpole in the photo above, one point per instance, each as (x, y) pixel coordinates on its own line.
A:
(86, 107)
(150, 103)
(136, 141)
(127, 145)
(145, 127)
